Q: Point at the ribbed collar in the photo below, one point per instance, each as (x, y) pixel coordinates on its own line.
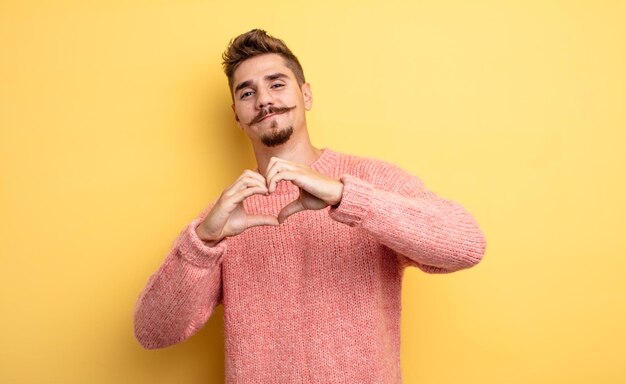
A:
(325, 163)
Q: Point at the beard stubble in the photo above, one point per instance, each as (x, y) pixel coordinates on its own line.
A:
(277, 136)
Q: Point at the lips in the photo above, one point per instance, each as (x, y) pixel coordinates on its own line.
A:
(270, 115)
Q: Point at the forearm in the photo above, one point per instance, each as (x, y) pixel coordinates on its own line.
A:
(435, 234)
(179, 298)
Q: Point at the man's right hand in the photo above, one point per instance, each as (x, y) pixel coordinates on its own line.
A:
(228, 216)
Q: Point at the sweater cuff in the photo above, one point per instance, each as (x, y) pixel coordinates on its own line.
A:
(355, 201)
(195, 251)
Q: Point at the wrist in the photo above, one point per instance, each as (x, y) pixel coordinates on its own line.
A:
(338, 194)
(207, 239)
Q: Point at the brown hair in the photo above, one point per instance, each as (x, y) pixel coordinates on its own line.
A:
(254, 43)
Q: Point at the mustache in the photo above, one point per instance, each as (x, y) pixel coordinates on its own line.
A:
(264, 112)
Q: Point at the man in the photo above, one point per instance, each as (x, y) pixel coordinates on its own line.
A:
(307, 252)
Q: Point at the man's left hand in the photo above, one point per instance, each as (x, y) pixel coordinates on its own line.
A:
(317, 191)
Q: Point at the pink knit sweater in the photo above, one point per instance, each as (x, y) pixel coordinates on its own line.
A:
(316, 299)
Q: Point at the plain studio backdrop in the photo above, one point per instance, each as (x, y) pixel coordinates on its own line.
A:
(116, 131)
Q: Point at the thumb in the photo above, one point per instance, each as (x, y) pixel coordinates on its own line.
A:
(258, 220)
(289, 209)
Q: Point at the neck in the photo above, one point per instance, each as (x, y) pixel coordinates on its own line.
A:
(301, 152)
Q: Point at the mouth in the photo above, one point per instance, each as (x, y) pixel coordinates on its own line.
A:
(268, 116)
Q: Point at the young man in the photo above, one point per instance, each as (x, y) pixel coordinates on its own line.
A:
(307, 252)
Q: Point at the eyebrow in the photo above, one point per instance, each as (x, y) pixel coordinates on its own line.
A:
(271, 77)
(246, 83)
(275, 76)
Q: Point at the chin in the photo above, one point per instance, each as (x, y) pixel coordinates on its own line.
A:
(277, 137)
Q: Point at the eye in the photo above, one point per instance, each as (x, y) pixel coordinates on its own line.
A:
(246, 94)
(277, 85)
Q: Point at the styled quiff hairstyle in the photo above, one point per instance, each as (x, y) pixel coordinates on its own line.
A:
(254, 43)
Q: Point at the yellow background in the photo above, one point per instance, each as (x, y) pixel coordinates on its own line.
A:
(116, 130)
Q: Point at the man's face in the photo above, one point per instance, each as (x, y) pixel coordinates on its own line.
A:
(269, 104)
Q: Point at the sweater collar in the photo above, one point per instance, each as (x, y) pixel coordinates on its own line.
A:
(325, 163)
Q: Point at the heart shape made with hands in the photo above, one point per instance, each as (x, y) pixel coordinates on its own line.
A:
(229, 218)
(317, 191)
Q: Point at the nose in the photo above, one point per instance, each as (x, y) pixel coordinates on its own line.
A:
(264, 99)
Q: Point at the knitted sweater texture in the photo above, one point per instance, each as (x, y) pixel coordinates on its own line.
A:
(316, 299)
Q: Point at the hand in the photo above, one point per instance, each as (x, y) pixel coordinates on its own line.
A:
(228, 216)
(317, 191)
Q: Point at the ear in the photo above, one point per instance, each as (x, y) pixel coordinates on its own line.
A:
(308, 96)
(232, 106)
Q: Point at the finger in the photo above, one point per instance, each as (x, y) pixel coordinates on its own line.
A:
(270, 169)
(254, 174)
(289, 209)
(243, 183)
(277, 160)
(259, 220)
(270, 164)
(275, 166)
(283, 175)
(247, 175)
(242, 195)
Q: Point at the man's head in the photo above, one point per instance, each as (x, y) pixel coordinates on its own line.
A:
(269, 93)
(255, 43)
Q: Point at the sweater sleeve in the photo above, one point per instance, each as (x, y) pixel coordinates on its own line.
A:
(181, 295)
(431, 233)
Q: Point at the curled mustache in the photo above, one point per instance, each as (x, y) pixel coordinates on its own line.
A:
(264, 112)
